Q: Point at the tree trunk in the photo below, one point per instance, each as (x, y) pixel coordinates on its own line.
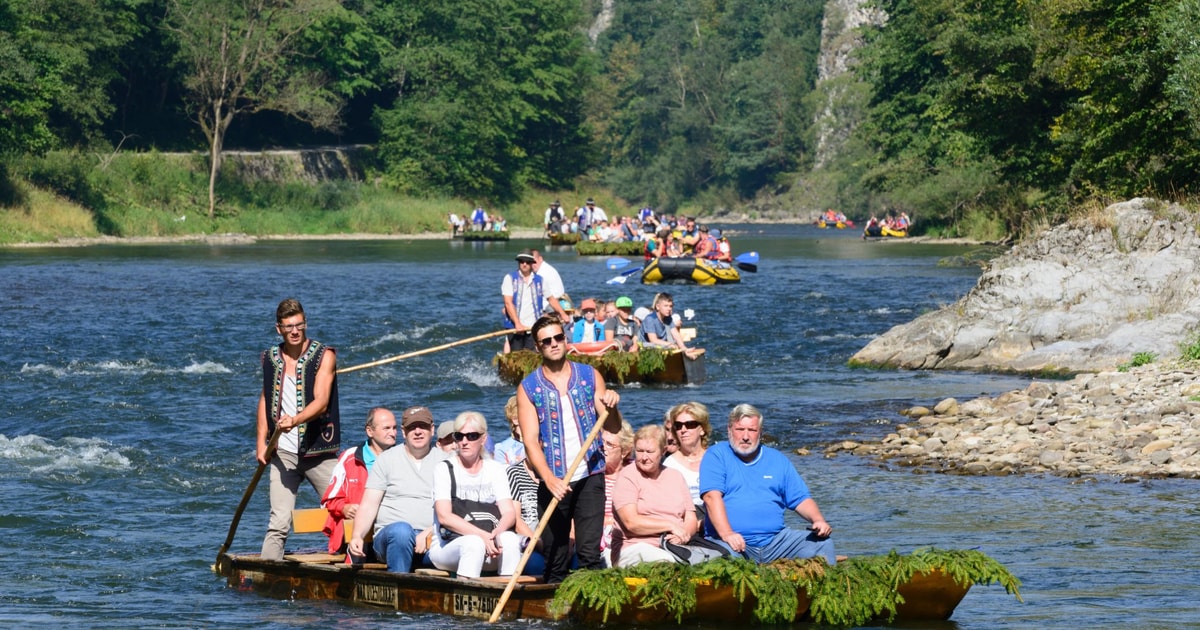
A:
(215, 159)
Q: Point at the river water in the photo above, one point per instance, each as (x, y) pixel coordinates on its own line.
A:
(130, 383)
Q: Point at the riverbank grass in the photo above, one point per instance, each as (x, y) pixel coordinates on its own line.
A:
(72, 194)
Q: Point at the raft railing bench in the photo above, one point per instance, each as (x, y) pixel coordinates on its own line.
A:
(312, 520)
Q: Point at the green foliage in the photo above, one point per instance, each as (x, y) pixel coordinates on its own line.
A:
(617, 366)
(1139, 359)
(603, 591)
(702, 96)
(851, 593)
(486, 235)
(490, 96)
(1190, 349)
(245, 56)
(627, 248)
(57, 58)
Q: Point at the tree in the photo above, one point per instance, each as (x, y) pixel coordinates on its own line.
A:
(56, 60)
(489, 95)
(247, 56)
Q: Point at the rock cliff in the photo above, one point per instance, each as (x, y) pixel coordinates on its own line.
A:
(1081, 297)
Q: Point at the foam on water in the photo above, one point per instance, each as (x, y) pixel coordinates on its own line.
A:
(140, 367)
(478, 374)
(41, 456)
(206, 367)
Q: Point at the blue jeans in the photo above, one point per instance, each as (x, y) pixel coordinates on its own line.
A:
(394, 544)
(789, 543)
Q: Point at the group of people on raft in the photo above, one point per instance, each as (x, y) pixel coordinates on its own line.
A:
(891, 224)
(664, 235)
(480, 220)
(535, 288)
(650, 495)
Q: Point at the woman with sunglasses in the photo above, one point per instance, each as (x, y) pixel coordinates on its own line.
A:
(689, 422)
(461, 545)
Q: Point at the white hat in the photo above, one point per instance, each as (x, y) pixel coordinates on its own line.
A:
(641, 313)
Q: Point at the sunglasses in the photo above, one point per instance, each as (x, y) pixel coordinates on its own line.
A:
(690, 424)
(418, 426)
(546, 341)
(470, 437)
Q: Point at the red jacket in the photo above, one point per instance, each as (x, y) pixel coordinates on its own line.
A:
(346, 487)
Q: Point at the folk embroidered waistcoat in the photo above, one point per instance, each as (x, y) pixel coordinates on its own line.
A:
(581, 392)
(321, 436)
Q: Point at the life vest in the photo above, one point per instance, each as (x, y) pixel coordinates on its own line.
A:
(713, 251)
(518, 287)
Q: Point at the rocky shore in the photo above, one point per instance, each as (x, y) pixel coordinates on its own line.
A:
(1142, 423)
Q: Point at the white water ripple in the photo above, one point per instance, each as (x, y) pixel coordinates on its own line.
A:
(42, 456)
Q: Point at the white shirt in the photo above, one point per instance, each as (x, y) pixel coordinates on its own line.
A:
(289, 442)
(598, 214)
(572, 440)
(552, 284)
(523, 300)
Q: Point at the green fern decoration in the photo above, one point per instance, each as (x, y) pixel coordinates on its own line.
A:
(604, 591)
(667, 584)
(852, 593)
(625, 248)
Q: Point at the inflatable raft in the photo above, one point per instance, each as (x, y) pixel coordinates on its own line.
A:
(687, 270)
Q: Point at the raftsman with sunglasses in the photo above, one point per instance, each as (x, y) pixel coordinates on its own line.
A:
(558, 404)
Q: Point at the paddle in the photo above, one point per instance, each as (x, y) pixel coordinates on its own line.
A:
(537, 533)
(237, 516)
(747, 261)
(624, 276)
(616, 263)
(425, 351)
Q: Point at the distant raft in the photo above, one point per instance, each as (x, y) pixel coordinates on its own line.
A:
(687, 270)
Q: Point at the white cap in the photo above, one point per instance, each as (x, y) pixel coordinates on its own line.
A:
(641, 313)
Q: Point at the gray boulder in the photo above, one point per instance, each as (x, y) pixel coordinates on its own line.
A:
(1081, 297)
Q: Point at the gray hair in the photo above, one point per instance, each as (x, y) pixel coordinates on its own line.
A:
(743, 410)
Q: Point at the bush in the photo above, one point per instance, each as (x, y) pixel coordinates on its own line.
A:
(68, 174)
(1139, 359)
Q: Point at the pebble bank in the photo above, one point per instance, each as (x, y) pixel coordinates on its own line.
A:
(1140, 423)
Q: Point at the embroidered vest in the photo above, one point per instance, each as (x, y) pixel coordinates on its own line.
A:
(581, 391)
(320, 437)
(518, 289)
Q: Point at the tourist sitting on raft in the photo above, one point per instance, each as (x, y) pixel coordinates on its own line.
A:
(618, 454)
(659, 329)
(652, 504)
(688, 422)
(473, 509)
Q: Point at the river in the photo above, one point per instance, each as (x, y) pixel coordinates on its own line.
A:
(131, 378)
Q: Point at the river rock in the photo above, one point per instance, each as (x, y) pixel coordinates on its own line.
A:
(1126, 436)
(1081, 297)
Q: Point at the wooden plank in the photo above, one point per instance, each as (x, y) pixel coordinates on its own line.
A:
(309, 520)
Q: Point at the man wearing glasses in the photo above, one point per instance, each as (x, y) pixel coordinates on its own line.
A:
(299, 397)
(558, 404)
(399, 496)
(523, 301)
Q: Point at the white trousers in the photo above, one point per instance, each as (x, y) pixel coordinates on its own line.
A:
(638, 553)
(467, 555)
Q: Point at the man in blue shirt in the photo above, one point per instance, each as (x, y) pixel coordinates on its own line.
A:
(746, 487)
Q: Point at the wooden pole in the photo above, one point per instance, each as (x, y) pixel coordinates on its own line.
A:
(237, 516)
(418, 353)
(537, 533)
